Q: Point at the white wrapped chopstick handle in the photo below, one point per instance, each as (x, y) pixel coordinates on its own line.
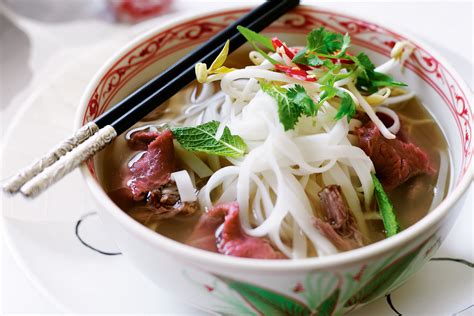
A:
(17, 181)
(69, 162)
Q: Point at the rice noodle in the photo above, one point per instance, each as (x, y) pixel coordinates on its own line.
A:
(187, 191)
(276, 183)
(391, 113)
(370, 112)
(399, 98)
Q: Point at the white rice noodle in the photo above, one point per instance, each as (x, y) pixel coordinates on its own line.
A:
(214, 162)
(391, 113)
(193, 162)
(276, 184)
(187, 191)
(226, 82)
(400, 53)
(207, 91)
(378, 97)
(370, 112)
(399, 98)
(387, 66)
(256, 58)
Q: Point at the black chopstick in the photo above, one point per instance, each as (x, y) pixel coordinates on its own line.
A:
(95, 135)
(263, 15)
(182, 77)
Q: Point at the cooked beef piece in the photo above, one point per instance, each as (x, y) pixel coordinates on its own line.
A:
(154, 168)
(338, 224)
(395, 160)
(141, 139)
(165, 202)
(219, 230)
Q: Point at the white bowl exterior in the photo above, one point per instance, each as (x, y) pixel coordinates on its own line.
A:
(196, 275)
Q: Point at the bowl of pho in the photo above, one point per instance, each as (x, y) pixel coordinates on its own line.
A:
(311, 171)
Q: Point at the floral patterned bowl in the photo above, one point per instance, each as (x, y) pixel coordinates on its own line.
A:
(323, 286)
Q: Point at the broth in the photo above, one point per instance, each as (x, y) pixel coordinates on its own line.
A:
(412, 200)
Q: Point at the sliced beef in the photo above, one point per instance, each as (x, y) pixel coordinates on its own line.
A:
(148, 181)
(395, 160)
(154, 167)
(338, 223)
(141, 139)
(219, 230)
(165, 202)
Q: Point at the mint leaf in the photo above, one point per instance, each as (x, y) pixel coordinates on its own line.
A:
(202, 138)
(254, 38)
(347, 106)
(386, 210)
(292, 103)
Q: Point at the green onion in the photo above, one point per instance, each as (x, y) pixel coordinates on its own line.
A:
(386, 209)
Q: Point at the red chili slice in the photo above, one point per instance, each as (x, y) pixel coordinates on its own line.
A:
(277, 44)
(291, 53)
(295, 73)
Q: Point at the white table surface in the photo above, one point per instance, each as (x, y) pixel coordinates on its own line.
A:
(446, 26)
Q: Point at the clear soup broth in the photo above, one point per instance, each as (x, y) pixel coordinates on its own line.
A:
(412, 200)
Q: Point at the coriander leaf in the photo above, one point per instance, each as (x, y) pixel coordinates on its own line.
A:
(386, 210)
(292, 103)
(368, 79)
(202, 138)
(330, 76)
(346, 42)
(328, 92)
(299, 96)
(363, 61)
(326, 42)
(252, 36)
(314, 60)
(288, 113)
(303, 57)
(300, 57)
(347, 106)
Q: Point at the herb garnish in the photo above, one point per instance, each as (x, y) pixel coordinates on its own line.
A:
(202, 138)
(292, 103)
(254, 38)
(386, 210)
(329, 49)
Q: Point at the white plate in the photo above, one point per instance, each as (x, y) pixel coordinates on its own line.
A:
(78, 279)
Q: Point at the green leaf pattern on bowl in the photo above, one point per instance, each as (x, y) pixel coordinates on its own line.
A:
(323, 293)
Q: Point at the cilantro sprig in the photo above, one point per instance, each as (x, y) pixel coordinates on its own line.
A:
(292, 103)
(329, 49)
(370, 80)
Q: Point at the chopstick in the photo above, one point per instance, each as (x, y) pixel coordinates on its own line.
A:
(95, 135)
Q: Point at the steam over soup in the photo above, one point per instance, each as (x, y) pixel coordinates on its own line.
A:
(306, 152)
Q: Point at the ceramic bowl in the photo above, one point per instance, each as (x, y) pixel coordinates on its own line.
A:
(327, 285)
